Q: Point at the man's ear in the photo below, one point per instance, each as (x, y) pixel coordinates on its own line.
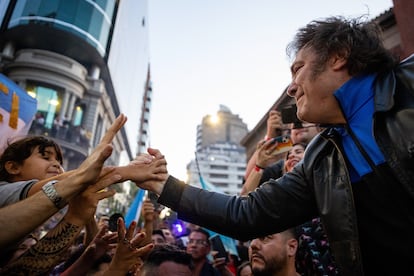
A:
(12, 167)
(338, 62)
(292, 245)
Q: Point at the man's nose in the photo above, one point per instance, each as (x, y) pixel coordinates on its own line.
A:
(291, 90)
(254, 244)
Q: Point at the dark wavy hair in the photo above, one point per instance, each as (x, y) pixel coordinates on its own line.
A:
(21, 150)
(357, 40)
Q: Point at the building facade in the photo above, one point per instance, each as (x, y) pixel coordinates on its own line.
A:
(220, 159)
(69, 56)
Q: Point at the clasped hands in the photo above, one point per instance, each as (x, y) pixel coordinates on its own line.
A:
(147, 171)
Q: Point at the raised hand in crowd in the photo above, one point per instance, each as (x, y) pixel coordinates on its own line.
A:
(148, 214)
(129, 252)
(102, 244)
(220, 264)
(274, 124)
(274, 128)
(21, 220)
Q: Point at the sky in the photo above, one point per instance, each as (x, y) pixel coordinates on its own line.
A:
(230, 52)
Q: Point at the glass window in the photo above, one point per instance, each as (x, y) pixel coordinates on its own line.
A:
(107, 6)
(96, 23)
(49, 102)
(31, 7)
(91, 20)
(67, 11)
(48, 8)
(98, 131)
(83, 15)
(78, 115)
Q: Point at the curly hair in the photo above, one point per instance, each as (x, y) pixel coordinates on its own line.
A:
(20, 150)
(358, 41)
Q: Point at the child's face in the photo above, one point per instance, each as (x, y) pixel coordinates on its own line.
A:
(39, 166)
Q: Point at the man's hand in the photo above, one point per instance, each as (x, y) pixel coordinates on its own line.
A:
(143, 168)
(159, 173)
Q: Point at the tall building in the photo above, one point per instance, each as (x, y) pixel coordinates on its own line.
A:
(143, 133)
(223, 127)
(85, 61)
(220, 159)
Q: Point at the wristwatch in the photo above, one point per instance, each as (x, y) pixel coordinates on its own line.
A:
(52, 194)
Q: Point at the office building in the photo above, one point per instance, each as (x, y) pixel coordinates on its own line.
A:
(220, 160)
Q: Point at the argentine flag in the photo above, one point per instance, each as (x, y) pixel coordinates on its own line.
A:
(134, 211)
(229, 243)
(17, 109)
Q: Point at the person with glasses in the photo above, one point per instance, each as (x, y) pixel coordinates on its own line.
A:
(198, 246)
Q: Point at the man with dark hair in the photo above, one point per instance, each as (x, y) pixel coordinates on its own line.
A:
(274, 254)
(165, 260)
(198, 246)
(357, 174)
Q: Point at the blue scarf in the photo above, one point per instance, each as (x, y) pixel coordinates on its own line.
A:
(356, 97)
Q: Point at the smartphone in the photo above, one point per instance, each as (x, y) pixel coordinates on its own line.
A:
(217, 245)
(284, 144)
(289, 114)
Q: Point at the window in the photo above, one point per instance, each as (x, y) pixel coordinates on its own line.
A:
(49, 101)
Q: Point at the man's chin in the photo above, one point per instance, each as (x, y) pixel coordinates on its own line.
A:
(259, 271)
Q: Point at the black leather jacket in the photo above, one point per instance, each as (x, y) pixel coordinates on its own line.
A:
(318, 186)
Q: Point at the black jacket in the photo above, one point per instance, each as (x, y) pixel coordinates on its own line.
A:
(318, 186)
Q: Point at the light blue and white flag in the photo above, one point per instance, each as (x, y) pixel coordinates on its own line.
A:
(134, 211)
(17, 110)
(229, 243)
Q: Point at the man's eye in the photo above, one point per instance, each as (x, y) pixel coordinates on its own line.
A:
(296, 69)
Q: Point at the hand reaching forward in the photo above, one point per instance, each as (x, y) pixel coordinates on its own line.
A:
(83, 206)
(102, 243)
(90, 169)
(128, 252)
(143, 168)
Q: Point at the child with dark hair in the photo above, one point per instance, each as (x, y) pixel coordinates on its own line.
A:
(24, 163)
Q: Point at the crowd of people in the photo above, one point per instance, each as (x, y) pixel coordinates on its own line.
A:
(336, 203)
